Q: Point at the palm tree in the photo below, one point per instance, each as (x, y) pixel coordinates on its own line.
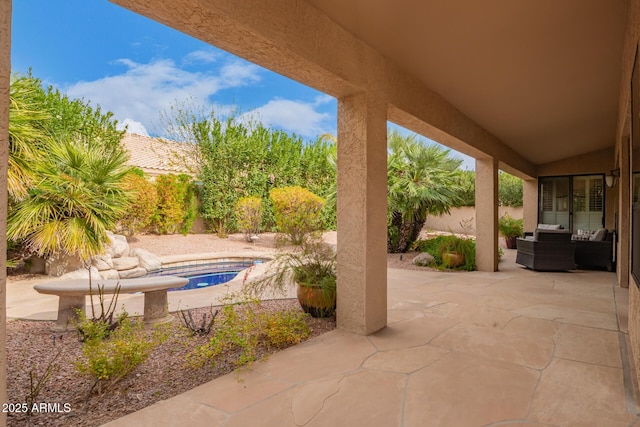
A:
(26, 134)
(78, 195)
(422, 179)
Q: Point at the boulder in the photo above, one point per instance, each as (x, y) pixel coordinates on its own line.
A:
(118, 246)
(83, 273)
(423, 259)
(59, 264)
(125, 263)
(146, 259)
(134, 272)
(102, 262)
(110, 274)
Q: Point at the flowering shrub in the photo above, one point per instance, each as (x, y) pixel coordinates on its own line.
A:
(248, 216)
(141, 210)
(297, 211)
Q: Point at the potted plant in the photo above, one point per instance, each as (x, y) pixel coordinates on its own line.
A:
(312, 268)
(511, 229)
(452, 250)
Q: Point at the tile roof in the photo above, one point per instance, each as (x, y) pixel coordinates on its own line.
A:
(158, 156)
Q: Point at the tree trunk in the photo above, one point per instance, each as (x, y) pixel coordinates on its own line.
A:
(401, 235)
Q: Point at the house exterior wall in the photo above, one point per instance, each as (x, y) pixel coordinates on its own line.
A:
(622, 134)
(463, 220)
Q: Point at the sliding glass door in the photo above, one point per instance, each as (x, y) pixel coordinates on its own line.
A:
(575, 202)
(554, 201)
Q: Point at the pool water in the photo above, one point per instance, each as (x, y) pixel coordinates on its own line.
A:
(204, 275)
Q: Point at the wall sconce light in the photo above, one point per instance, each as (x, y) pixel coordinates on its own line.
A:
(610, 179)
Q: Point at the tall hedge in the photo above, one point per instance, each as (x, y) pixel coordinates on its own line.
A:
(239, 159)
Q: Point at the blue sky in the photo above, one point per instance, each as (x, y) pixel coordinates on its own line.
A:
(138, 68)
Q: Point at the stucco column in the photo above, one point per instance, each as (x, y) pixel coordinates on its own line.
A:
(5, 78)
(487, 214)
(624, 215)
(529, 204)
(362, 214)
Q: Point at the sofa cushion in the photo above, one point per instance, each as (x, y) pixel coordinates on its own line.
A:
(599, 235)
(549, 226)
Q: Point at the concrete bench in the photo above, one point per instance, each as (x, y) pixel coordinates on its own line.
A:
(72, 295)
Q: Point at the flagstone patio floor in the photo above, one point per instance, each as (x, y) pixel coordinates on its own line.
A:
(510, 348)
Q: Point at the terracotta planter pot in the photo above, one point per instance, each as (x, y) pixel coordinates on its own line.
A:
(511, 242)
(313, 301)
(452, 259)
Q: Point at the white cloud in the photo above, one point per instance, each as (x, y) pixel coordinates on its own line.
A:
(133, 127)
(200, 56)
(144, 90)
(292, 116)
(323, 99)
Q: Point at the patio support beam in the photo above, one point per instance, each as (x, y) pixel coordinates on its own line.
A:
(487, 214)
(624, 218)
(530, 204)
(5, 79)
(362, 213)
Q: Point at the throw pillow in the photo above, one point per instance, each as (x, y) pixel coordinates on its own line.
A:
(599, 235)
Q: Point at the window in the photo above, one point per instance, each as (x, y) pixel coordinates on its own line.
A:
(575, 202)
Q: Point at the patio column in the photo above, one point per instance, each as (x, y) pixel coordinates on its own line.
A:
(487, 214)
(362, 213)
(624, 218)
(5, 78)
(530, 204)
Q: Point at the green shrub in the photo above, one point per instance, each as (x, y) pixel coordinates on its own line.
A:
(283, 329)
(177, 204)
(297, 211)
(244, 327)
(248, 216)
(113, 358)
(510, 227)
(509, 190)
(449, 243)
(144, 202)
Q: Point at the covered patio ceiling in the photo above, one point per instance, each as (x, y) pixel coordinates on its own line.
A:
(543, 76)
(528, 82)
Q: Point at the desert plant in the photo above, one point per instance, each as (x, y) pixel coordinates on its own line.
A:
(297, 212)
(195, 328)
(248, 216)
(244, 327)
(101, 325)
(113, 358)
(37, 381)
(313, 267)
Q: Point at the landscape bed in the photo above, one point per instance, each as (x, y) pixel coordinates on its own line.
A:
(31, 346)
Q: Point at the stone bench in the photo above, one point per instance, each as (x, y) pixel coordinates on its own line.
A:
(72, 295)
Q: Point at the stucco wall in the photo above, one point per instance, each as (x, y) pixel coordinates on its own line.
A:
(465, 216)
(634, 323)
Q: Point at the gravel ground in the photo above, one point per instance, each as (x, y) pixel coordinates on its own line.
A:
(31, 346)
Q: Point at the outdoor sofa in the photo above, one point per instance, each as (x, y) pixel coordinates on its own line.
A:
(547, 250)
(596, 251)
